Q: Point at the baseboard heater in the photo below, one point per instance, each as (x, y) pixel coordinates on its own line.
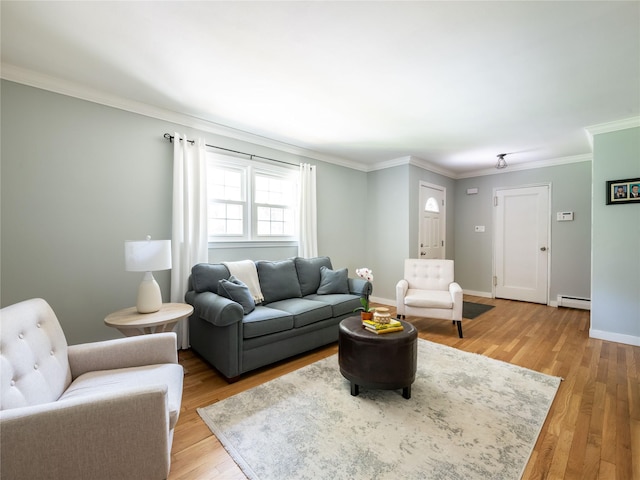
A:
(574, 302)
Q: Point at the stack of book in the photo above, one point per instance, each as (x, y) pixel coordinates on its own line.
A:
(378, 328)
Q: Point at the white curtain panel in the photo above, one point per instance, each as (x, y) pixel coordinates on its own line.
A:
(308, 242)
(189, 237)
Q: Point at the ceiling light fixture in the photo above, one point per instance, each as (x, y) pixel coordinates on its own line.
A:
(502, 163)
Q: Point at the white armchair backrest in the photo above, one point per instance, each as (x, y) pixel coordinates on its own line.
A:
(424, 274)
(34, 367)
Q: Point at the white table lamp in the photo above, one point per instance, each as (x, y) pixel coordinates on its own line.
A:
(148, 256)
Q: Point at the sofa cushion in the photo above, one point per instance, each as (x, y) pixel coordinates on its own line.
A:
(237, 291)
(304, 311)
(333, 281)
(108, 381)
(308, 270)
(265, 320)
(205, 276)
(278, 280)
(341, 304)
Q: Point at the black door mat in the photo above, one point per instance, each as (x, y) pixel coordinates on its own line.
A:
(471, 310)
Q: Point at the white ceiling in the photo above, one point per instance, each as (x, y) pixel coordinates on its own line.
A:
(451, 83)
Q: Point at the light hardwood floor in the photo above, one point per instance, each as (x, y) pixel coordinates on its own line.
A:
(591, 432)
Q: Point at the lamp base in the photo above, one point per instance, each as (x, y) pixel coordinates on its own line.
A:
(149, 296)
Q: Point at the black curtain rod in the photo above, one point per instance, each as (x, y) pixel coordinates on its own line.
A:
(251, 156)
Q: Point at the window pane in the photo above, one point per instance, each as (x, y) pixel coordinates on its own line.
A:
(234, 227)
(264, 228)
(432, 205)
(263, 214)
(225, 184)
(234, 211)
(225, 219)
(273, 190)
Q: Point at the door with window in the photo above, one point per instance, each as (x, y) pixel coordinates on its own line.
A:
(521, 247)
(432, 221)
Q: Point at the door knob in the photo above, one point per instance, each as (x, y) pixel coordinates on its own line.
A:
(422, 253)
(543, 249)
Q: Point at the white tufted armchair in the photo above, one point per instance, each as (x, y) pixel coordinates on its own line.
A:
(102, 410)
(428, 290)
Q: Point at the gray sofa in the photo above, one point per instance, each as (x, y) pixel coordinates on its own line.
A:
(304, 301)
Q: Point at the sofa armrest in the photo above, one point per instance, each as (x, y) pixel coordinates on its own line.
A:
(215, 309)
(115, 435)
(456, 294)
(360, 287)
(137, 351)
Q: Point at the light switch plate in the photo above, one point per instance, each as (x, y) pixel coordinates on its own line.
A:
(479, 228)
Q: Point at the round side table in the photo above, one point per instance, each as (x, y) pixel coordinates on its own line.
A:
(132, 323)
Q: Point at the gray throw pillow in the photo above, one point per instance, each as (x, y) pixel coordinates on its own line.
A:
(309, 273)
(237, 291)
(333, 281)
(278, 280)
(205, 276)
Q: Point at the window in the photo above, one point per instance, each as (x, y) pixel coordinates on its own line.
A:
(250, 201)
(431, 205)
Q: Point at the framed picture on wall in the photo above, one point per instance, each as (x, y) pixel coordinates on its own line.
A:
(623, 191)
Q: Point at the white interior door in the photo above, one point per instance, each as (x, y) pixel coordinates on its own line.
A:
(521, 247)
(432, 221)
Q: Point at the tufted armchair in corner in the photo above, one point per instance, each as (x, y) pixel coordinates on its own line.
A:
(428, 290)
(101, 410)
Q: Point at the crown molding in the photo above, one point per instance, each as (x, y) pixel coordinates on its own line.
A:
(631, 122)
(586, 157)
(415, 161)
(56, 85)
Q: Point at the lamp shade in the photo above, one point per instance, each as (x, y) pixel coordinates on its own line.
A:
(147, 255)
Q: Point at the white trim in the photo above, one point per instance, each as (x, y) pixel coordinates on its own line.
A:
(608, 127)
(45, 82)
(614, 126)
(615, 337)
(419, 162)
(383, 301)
(586, 157)
(477, 293)
(253, 244)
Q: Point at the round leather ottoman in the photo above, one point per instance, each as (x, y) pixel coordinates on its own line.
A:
(384, 361)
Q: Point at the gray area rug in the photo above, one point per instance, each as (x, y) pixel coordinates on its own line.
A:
(469, 417)
(471, 310)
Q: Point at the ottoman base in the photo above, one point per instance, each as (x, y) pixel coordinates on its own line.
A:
(386, 361)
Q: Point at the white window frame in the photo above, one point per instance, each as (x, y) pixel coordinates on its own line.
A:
(251, 169)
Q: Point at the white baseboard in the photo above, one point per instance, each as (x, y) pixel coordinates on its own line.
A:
(615, 337)
(383, 301)
(478, 294)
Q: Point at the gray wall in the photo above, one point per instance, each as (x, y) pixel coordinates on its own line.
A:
(387, 229)
(570, 241)
(615, 307)
(78, 179)
(393, 223)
